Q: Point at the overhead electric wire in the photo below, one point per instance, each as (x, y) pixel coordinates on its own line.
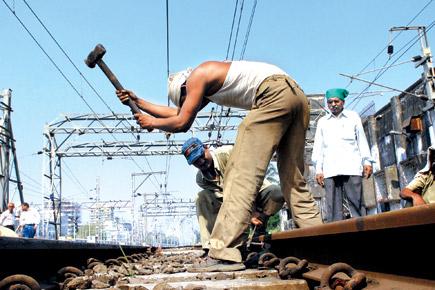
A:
(30, 178)
(383, 49)
(237, 31)
(167, 167)
(168, 158)
(381, 72)
(48, 56)
(384, 67)
(380, 85)
(167, 42)
(242, 54)
(61, 72)
(75, 179)
(248, 30)
(67, 56)
(29, 187)
(232, 28)
(72, 62)
(409, 44)
(219, 135)
(214, 109)
(34, 191)
(372, 93)
(368, 108)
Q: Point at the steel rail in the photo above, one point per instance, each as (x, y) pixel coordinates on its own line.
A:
(395, 242)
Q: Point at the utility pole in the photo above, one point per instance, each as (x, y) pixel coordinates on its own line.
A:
(425, 60)
(137, 180)
(7, 148)
(5, 152)
(428, 75)
(97, 199)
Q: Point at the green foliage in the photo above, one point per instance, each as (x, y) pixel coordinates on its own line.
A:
(86, 230)
(273, 223)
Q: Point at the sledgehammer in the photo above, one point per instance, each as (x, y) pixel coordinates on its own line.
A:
(95, 57)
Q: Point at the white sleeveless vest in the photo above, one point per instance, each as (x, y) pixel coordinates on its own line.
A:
(241, 83)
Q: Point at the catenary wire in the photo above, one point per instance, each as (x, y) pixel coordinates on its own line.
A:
(409, 45)
(397, 35)
(67, 56)
(65, 77)
(167, 42)
(380, 73)
(232, 29)
(248, 30)
(90, 85)
(237, 30)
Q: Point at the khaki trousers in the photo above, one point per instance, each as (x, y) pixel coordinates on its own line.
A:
(269, 201)
(277, 122)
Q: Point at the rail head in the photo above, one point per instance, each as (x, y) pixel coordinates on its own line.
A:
(408, 217)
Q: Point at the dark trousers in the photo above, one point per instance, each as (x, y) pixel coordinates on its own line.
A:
(338, 187)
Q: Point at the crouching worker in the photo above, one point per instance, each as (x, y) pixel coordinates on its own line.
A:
(421, 190)
(210, 177)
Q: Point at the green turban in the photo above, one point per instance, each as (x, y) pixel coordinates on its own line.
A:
(337, 93)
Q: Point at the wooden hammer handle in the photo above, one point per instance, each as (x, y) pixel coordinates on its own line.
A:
(114, 80)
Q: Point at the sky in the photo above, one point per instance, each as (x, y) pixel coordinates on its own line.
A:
(314, 41)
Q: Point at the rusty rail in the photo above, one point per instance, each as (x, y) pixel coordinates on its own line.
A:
(381, 251)
(41, 258)
(372, 243)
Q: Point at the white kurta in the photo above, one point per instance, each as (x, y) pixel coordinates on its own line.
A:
(340, 145)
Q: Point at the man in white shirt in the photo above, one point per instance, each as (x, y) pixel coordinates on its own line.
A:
(29, 220)
(341, 156)
(7, 218)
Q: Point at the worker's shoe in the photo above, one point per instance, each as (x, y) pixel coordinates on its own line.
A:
(213, 265)
(205, 253)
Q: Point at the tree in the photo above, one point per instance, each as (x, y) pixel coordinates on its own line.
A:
(273, 225)
(86, 230)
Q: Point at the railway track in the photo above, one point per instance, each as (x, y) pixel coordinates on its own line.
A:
(385, 251)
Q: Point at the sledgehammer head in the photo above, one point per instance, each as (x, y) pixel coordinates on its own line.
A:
(95, 56)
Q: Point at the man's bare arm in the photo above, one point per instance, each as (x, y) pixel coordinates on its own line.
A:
(148, 107)
(195, 87)
(416, 198)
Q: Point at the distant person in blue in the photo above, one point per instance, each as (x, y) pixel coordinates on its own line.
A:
(341, 156)
(29, 220)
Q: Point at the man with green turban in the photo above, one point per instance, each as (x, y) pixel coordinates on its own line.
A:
(341, 156)
(337, 93)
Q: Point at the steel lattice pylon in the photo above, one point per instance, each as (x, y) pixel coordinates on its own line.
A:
(90, 135)
(8, 156)
(118, 135)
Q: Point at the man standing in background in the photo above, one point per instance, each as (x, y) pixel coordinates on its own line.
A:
(7, 218)
(421, 190)
(341, 156)
(29, 220)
